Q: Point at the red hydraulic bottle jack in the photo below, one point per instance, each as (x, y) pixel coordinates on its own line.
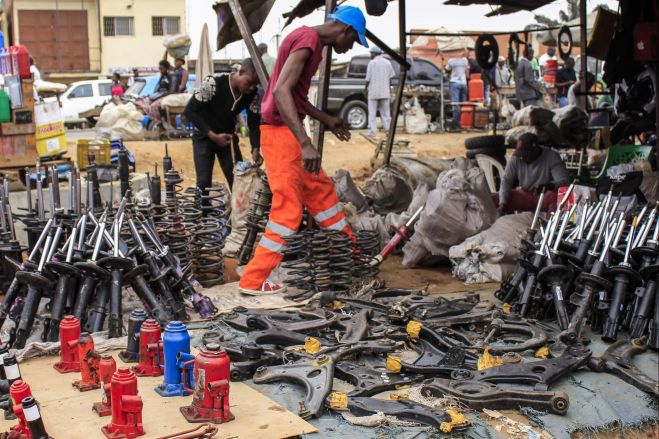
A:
(403, 233)
(69, 331)
(210, 402)
(19, 390)
(150, 350)
(106, 369)
(126, 407)
(89, 362)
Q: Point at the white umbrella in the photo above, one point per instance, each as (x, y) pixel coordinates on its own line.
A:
(204, 66)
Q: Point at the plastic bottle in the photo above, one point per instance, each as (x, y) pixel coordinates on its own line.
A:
(3, 58)
(5, 106)
(22, 63)
(12, 61)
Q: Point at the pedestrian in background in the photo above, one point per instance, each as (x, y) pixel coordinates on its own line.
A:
(459, 69)
(527, 88)
(565, 77)
(181, 75)
(378, 82)
(268, 60)
(502, 75)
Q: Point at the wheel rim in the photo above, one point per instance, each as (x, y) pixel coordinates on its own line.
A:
(356, 117)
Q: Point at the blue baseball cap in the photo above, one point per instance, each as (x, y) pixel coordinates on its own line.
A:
(376, 50)
(354, 18)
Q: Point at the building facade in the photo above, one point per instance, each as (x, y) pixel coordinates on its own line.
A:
(88, 38)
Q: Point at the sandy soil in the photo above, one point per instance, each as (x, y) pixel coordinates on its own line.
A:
(354, 155)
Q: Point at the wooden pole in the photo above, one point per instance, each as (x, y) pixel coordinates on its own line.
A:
(323, 85)
(248, 37)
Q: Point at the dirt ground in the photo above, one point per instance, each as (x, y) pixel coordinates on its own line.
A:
(354, 155)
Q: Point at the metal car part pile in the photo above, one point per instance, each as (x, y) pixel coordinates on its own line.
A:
(82, 256)
(598, 268)
(466, 349)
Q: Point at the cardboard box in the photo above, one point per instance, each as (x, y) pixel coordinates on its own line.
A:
(51, 146)
(12, 129)
(18, 151)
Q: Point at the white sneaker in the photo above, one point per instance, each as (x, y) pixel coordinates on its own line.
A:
(267, 289)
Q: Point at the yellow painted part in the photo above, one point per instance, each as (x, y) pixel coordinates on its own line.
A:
(543, 353)
(413, 329)
(337, 304)
(506, 308)
(311, 345)
(393, 363)
(457, 419)
(488, 360)
(338, 400)
(398, 396)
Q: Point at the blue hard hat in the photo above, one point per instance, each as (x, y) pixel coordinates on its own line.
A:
(354, 18)
(376, 50)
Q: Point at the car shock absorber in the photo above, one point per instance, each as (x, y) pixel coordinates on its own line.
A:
(256, 220)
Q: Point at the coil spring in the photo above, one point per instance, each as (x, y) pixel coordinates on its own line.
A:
(341, 261)
(298, 262)
(207, 244)
(367, 247)
(214, 202)
(178, 237)
(173, 188)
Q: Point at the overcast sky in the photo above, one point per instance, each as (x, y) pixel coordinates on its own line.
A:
(419, 15)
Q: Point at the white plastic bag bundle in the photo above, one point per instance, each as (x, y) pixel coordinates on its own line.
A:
(245, 184)
(460, 206)
(416, 121)
(108, 117)
(347, 190)
(128, 125)
(491, 255)
(573, 124)
(388, 191)
(176, 100)
(419, 197)
(532, 116)
(178, 45)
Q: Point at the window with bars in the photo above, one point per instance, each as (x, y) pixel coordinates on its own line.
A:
(118, 26)
(165, 25)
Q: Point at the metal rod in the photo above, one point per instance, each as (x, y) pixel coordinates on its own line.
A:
(136, 235)
(99, 239)
(40, 208)
(83, 231)
(28, 190)
(55, 243)
(401, 83)
(388, 50)
(625, 260)
(566, 218)
(41, 239)
(538, 207)
(70, 183)
(55, 181)
(323, 85)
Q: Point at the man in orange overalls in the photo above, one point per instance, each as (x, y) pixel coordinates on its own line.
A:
(292, 161)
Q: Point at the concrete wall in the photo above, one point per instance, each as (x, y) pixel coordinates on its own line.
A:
(92, 22)
(141, 49)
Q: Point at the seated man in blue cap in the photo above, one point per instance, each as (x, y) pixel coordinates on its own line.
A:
(292, 161)
(378, 81)
(531, 169)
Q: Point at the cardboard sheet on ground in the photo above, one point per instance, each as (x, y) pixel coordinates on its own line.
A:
(67, 413)
(227, 296)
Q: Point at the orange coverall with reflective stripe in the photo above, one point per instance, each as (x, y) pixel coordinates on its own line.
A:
(292, 187)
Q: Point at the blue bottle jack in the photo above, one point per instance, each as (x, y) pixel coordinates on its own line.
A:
(176, 352)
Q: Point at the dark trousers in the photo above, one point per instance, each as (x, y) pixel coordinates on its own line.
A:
(204, 153)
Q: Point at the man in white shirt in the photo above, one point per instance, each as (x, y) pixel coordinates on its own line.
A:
(550, 55)
(378, 81)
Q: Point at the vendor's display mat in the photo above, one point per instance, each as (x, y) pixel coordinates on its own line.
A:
(67, 413)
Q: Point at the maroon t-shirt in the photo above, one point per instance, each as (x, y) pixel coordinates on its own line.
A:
(302, 38)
